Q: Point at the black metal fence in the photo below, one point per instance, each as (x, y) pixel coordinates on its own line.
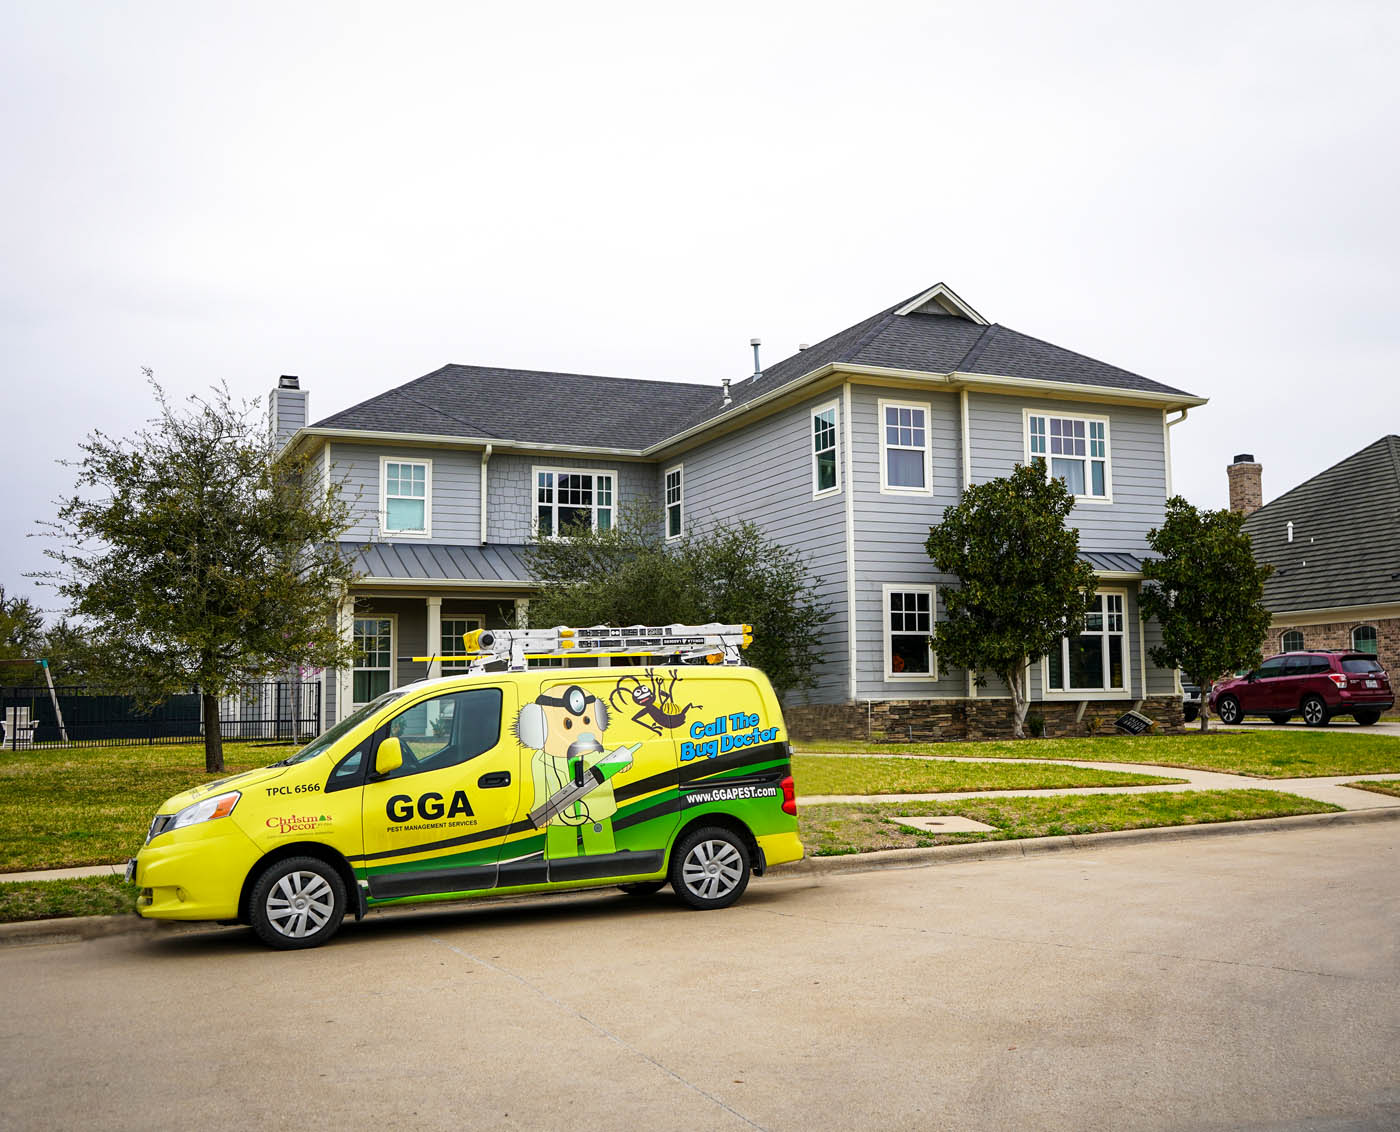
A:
(284, 711)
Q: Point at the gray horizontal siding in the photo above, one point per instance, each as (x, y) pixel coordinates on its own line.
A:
(456, 490)
(764, 473)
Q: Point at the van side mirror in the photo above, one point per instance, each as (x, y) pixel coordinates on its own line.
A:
(388, 758)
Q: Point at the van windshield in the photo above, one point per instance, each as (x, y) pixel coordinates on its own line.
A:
(325, 741)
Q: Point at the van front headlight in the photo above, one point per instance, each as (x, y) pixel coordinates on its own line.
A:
(219, 806)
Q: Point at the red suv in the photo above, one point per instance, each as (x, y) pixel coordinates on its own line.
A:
(1317, 685)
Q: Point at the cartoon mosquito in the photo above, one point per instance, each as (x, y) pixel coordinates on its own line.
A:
(656, 708)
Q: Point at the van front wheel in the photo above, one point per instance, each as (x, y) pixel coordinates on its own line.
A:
(710, 868)
(297, 903)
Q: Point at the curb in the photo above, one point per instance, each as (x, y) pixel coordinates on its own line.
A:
(1034, 846)
(77, 928)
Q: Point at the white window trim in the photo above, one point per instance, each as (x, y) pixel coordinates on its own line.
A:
(833, 407)
(666, 504)
(384, 529)
(1351, 637)
(892, 677)
(445, 659)
(1284, 648)
(393, 619)
(927, 407)
(1107, 497)
(1123, 693)
(535, 471)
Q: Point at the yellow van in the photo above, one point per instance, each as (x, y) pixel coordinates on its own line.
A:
(490, 783)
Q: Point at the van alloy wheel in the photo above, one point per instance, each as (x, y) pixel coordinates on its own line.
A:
(297, 903)
(710, 868)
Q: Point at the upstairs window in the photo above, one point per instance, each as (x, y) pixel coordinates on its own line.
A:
(1096, 659)
(406, 504)
(826, 475)
(1363, 639)
(1073, 449)
(567, 498)
(1291, 641)
(675, 492)
(904, 447)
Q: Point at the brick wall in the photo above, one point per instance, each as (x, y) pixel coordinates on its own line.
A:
(1337, 635)
(937, 720)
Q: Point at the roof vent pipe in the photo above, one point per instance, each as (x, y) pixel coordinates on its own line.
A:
(757, 369)
(804, 346)
(728, 400)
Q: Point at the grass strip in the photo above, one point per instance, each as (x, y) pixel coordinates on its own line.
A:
(1262, 754)
(836, 828)
(818, 774)
(92, 806)
(1384, 786)
(78, 896)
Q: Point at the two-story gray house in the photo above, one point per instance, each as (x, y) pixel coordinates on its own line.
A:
(848, 450)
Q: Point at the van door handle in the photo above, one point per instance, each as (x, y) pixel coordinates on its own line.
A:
(494, 779)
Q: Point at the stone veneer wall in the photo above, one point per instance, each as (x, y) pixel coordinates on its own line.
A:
(1337, 635)
(925, 721)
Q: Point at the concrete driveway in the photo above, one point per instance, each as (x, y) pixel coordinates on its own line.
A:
(1222, 983)
(1341, 723)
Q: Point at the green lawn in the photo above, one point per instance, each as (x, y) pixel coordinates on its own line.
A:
(1264, 754)
(62, 808)
(818, 774)
(1381, 786)
(833, 829)
(81, 896)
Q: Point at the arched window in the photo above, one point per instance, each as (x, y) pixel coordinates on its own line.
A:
(1363, 638)
(1291, 641)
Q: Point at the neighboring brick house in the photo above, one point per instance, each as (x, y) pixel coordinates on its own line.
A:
(846, 451)
(1334, 543)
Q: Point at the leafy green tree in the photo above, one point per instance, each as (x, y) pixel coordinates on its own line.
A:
(198, 558)
(21, 638)
(1021, 585)
(727, 572)
(1206, 591)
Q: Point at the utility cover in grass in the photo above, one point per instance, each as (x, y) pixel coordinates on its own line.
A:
(945, 825)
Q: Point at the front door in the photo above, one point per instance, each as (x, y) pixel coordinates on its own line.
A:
(436, 824)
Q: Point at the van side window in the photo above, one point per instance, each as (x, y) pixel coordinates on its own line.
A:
(447, 730)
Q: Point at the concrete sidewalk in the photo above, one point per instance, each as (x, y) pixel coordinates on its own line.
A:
(67, 874)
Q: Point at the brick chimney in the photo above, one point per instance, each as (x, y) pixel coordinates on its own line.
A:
(1246, 484)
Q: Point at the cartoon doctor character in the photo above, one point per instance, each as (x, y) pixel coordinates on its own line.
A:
(571, 772)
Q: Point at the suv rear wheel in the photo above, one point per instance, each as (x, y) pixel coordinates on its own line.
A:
(1228, 709)
(1315, 713)
(1366, 718)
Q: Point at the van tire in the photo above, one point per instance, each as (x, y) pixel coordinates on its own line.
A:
(297, 903)
(643, 887)
(710, 868)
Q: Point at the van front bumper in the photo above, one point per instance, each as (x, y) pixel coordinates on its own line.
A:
(194, 873)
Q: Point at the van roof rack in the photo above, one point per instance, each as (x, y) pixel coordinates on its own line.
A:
(713, 643)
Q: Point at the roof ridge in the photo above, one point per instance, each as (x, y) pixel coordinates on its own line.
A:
(1391, 442)
(568, 373)
(975, 350)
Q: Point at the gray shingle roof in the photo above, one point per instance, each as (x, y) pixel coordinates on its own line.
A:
(494, 562)
(533, 406)
(1346, 535)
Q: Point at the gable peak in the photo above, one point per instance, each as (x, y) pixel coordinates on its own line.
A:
(941, 299)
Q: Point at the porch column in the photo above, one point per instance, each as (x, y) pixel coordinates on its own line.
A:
(344, 676)
(434, 636)
(522, 613)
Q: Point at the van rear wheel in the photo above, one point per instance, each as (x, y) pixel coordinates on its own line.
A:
(297, 903)
(710, 868)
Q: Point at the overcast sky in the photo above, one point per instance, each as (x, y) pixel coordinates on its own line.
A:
(1202, 193)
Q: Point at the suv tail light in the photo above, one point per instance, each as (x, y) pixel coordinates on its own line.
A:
(789, 789)
(1338, 679)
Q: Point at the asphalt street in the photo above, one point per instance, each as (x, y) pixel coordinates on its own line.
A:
(1230, 982)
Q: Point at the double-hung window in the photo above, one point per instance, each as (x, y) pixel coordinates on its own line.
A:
(905, 464)
(452, 651)
(675, 499)
(826, 472)
(405, 505)
(1095, 659)
(373, 671)
(908, 624)
(566, 497)
(1073, 449)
